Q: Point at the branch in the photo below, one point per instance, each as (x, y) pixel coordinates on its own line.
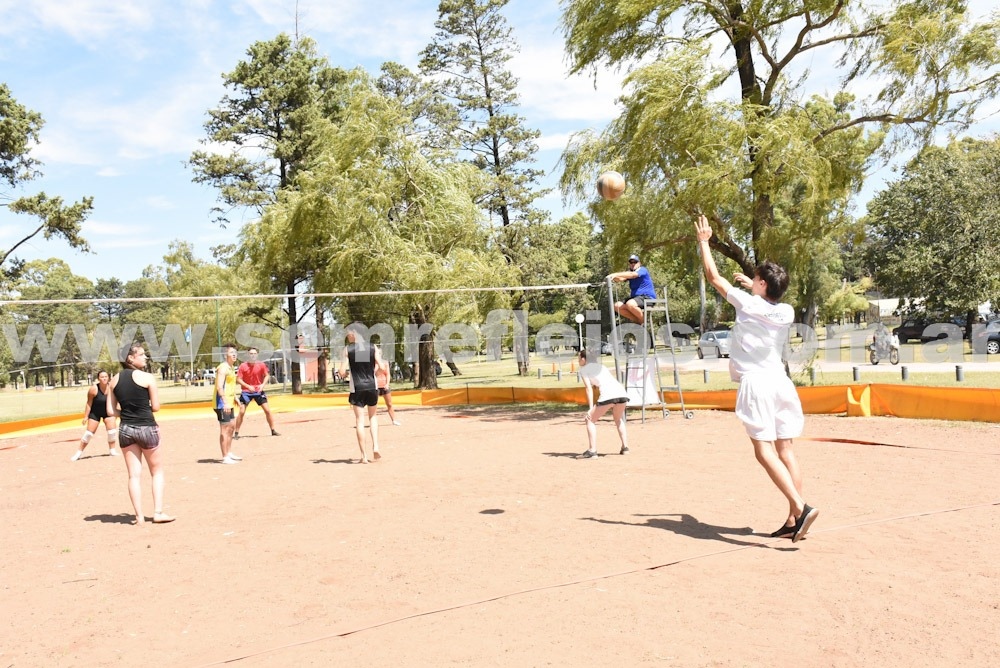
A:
(878, 118)
(19, 243)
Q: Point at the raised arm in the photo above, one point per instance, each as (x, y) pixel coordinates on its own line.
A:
(704, 232)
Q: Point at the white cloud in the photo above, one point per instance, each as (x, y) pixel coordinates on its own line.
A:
(85, 21)
(108, 172)
(546, 90)
(160, 202)
(164, 121)
(553, 142)
(374, 30)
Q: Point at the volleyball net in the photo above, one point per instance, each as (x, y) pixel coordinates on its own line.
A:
(52, 342)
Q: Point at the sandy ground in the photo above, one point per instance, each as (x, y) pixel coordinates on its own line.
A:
(480, 540)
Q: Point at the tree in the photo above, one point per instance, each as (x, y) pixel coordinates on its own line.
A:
(384, 217)
(52, 279)
(276, 94)
(773, 167)
(110, 288)
(19, 131)
(935, 232)
(469, 56)
(555, 254)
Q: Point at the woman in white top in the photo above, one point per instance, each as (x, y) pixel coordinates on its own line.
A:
(612, 395)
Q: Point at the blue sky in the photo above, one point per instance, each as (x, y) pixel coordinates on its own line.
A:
(124, 88)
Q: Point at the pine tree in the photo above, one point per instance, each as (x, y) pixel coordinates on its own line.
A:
(469, 57)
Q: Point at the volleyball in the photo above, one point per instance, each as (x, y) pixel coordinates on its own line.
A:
(610, 185)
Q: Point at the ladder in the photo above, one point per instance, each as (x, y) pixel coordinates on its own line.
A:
(651, 307)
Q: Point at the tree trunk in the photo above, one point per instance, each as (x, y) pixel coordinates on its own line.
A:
(521, 343)
(426, 375)
(293, 340)
(324, 353)
(449, 359)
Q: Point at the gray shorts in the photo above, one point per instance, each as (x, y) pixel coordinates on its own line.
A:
(146, 436)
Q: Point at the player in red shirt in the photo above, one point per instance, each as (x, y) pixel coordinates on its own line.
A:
(252, 376)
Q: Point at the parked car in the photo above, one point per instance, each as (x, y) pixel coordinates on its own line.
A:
(986, 339)
(914, 328)
(911, 329)
(714, 343)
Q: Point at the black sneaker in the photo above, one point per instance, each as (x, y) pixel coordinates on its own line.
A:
(274, 433)
(589, 454)
(624, 450)
(236, 434)
(808, 516)
(783, 531)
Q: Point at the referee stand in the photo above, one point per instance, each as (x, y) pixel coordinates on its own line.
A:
(640, 365)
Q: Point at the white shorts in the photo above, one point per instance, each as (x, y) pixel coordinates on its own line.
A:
(769, 406)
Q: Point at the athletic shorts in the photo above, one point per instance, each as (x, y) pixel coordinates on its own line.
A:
(382, 391)
(225, 415)
(146, 436)
(363, 398)
(769, 406)
(259, 397)
(640, 300)
(97, 418)
(616, 400)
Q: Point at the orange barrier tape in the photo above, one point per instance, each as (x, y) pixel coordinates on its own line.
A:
(907, 401)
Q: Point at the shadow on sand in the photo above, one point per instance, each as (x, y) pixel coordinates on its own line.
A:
(687, 525)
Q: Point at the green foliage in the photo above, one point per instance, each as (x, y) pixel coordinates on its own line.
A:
(847, 300)
(279, 93)
(51, 279)
(772, 168)
(282, 87)
(20, 129)
(19, 132)
(372, 213)
(554, 254)
(935, 232)
(468, 58)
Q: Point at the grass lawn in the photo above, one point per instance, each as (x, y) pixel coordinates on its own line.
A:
(556, 371)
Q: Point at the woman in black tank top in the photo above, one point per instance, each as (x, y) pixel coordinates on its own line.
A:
(134, 397)
(95, 412)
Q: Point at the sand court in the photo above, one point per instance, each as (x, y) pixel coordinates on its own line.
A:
(480, 539)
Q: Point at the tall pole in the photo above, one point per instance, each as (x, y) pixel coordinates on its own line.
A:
(191, 350)
(614, 326)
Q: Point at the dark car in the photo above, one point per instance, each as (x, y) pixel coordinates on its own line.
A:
(986, 339)
(915, 328)
(911, 329)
